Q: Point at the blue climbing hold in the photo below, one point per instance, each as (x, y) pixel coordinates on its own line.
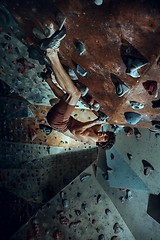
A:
(136, 105)
(132, 117)
(81, 71)
(80, 47)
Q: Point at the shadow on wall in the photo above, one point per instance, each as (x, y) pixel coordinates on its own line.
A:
(154, 207)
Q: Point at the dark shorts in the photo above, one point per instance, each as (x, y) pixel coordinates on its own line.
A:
(59, 116)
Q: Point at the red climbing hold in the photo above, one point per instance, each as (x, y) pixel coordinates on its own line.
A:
(151, 87)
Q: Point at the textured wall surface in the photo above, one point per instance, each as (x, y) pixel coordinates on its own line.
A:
(110, 39)
(116, 44)
(79, 211)
(111, 33)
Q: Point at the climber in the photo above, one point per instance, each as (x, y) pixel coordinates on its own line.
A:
(59, 116)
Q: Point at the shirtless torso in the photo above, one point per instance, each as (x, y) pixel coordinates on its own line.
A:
(88, 136)
(86, 132)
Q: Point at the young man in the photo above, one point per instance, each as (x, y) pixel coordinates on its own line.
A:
(59, 117)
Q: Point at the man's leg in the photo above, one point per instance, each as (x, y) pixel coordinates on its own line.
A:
(63, 78)
(56, 90)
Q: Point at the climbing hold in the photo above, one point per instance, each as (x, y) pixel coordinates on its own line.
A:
(84, 206)
(121, 89)
(80, 47)
(23, 65)
(128, 131)
(85, 177)
(136, 105)
(114, 238)
(57, 235)
(112, 156)
(65, 203)
(101, 237)
(35, 228)
(137, 133)
(79, 194)
(46, 129)
(29, 41)
(157, 135)
(93, 221)
(158, 62)
(62, 194)
(132, 117)
(64, 220)
(32, 134)
(129, 156)
(147, 167)
(156, 124)
(128, 195)
(72, 74)
(98, 2)
(117, 228)
(122, 199)
(134, 64)
(122, 189)
(105, 176)
(74, 224)
(81, 71)
(102, 116)
(116, 128)
(77, 212)
(109, 169)
(151, 87)
(156, 104)
(94, 166)
(17, 50)
(95, 106)
(99, 198)
(107, 211)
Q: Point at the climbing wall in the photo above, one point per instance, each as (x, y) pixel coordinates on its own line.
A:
(113, 43)
(36, 180)
(26, 123)
(108, 48)
(110, 52)
(132, 205)
(143, 160)
(15, 212)
(129, 173)
(81, 210)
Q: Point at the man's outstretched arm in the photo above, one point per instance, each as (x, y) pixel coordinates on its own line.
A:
(87, 125)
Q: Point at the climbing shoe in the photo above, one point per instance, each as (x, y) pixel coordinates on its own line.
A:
(54, 41)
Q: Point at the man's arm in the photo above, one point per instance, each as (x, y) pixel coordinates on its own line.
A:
(87, 125)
